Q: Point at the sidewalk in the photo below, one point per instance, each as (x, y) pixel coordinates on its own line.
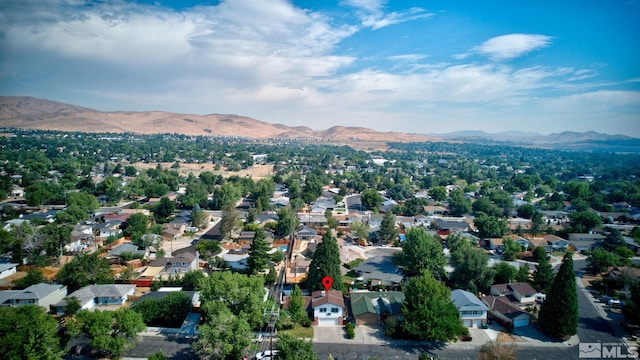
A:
(374, 335)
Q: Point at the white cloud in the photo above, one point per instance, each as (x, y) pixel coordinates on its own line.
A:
(372, 15)
(510, 46)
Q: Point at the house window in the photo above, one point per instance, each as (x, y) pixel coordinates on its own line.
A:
(335, 310)
(323, 310)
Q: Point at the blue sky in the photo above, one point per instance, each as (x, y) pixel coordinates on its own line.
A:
(409, 66)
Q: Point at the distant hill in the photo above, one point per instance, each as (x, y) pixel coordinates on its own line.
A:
(40, 114)
(567, 140)
(34, 113)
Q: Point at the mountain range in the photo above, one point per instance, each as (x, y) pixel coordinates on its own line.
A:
(40, 114)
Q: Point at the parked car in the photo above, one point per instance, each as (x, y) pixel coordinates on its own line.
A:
(266, 355)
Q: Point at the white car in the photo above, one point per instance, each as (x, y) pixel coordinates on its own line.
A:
(266, 355)
(257, 339)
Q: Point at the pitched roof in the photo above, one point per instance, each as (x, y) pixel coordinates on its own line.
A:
(330, 297)
(502, 305)
(376, 302)
(464, 301)
(91, 292)
(33, 292)
(521, 287)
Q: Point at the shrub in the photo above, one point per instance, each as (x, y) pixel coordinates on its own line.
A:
(351, 332)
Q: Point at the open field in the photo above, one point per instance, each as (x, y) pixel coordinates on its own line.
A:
(255, 171)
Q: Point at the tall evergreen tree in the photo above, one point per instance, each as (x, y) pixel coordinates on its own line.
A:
(388, 231)
(325, 262)
(559, 312)
(296, 305)
(543, 276)
(258, 252)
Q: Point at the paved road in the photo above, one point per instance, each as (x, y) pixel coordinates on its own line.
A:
(591, 326)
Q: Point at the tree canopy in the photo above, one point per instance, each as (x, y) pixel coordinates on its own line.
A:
(422, 251)
(429, 313)
(471, 271)
(110, 333)
(84, 270)
(27, 332)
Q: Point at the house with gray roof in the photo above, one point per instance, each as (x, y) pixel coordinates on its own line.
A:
(374, 307)
(585, 241)
(505, 312)
(473, 312)
(7, 269)
(378, 271)
(43, 295)
(93, 295)
(520, 294)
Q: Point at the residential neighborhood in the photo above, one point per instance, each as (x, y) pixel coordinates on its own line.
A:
(181, 253)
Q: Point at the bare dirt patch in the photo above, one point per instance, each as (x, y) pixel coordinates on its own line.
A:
(255, 171)
(504, 337)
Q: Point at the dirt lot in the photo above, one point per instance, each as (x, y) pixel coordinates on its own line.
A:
(255, 171)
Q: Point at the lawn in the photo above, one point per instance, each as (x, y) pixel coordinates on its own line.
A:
(300, 331)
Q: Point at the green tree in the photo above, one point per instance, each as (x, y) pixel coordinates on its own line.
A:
(490, 226)
(199, 218)
(458, 204)
(613, 240)
(471, 271)
(164, 210)
(170, 311)
(296, 305)
(239, 293)
(504, 273)
(370, 199)
(34, 276)
(292, 348)
(600, 259)
(543, 275)
(388, 230)
(110, 333)
(584, 221)
(422, 251)
(135, 223)
(225, 335)
(229, 220)
(523, 274)
(438, 193)
(510, 248)
(72, 305)
(27, 332)
(157, 356)
(83, 270)
(325, 262)
(429, 313)
(559, 311)
(258, 252)
(112, 188)
(359, 229)
(286, 222)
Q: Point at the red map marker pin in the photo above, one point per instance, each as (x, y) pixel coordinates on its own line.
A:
(327, 281)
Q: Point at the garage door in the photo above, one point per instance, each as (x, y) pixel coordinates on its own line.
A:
(477, 323)
(467, 323)
(327, 322)
(521, 322)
